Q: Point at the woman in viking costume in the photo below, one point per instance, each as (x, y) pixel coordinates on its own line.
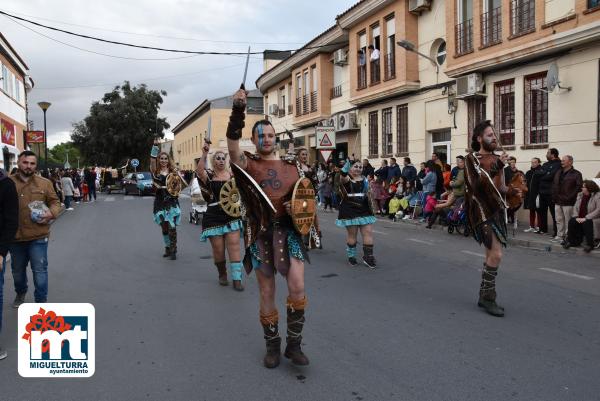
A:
(485, 201)
(273, 241)
(356, 212)
(166, 201)
(222, 228)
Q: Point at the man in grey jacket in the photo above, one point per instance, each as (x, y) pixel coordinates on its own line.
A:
(68, 189)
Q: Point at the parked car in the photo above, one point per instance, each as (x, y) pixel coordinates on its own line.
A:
(139, 184)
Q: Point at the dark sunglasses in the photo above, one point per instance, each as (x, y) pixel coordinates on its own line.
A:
(220, 158)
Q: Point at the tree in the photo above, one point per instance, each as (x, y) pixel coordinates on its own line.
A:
(58, 154)
(123, 125)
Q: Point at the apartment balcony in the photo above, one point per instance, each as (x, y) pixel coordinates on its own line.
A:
(375, 72)
(336, 92)
(522, 17)
(305, 104)
(491, 27)
(290, 109)
(313, 101)
(281, 112)
(298, 106)
(362, 77)
(464, 37)
(389, 66)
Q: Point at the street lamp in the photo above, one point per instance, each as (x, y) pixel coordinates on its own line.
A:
(410, 47)
(45, 106)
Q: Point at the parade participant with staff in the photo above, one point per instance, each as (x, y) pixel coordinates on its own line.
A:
(356, 212)
(168, 184)
(272, 238)
(222, 227)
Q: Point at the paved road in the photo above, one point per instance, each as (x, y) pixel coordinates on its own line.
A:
(409, 330)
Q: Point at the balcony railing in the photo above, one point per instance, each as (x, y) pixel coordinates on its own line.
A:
(390, 66)
(336, 91)
(281, 112)
(305, 104)
(375, 72)
(522, 17)
(298, 106)
(491, 27)
(362, 76)
(290, 109)
(313, 101)
(464, 37)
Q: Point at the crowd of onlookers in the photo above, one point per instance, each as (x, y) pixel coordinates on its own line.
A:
(435, 190)
(74, 185)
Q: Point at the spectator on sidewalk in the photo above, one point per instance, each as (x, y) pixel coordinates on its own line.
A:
(368, 169)
(31, 240)
(567, 184)
(436, 159)
(533, 184)
(382, 172)
(9, 212)
(420, 175)
(89, 177)
(585, 217)
(393, 171)
(547, 173)
(68, 189)
(509, 173)
(409, 172)
(430, 179)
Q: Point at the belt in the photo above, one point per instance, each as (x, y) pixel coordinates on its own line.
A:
(212, 204)
(360, 195)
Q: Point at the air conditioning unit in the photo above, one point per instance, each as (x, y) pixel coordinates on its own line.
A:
(416, 6)
(469, 86)
(340, 57)
(273, 109)
(347, 122)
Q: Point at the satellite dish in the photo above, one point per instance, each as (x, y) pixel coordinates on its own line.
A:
(552, 80)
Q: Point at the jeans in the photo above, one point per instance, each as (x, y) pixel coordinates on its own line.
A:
(36, 253)
(545, 204)
(68, 201)
(92, 191)
(2, 290)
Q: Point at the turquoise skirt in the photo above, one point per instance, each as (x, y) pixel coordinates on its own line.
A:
(234, 225)
(171, 215)
(357, 221)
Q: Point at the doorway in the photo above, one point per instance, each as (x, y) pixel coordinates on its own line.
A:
(441, 144)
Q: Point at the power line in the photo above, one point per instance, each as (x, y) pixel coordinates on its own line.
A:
(159, 36)
(114, 42)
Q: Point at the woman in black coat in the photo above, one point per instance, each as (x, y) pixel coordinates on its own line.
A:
(530, 201)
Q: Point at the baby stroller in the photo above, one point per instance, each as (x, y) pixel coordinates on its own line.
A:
(457, 220)
(198, 203)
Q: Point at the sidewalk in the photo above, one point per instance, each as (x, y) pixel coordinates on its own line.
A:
(534, 241)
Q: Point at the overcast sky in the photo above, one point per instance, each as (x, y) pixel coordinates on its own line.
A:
(72, 79)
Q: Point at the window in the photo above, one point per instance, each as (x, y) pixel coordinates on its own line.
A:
(4, 78)
(504, 110)
(375, 55)
(362, 61)
(289, 96)
(491, 23)
(281, 102)
(255, 105)
(315, 85)
(440, 55)
(475, 115)
(536, 109)
(598, 127)
(373, 134)
(593, 3)
(390, 57)
(522, 17)
(388, 136)
(464, 27)
(402, 128)
(305, 86)
(298, 94)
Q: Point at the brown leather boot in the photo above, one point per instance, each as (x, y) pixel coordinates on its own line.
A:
(295, 324)
(222, 269)
(272, 339)
(487, 291)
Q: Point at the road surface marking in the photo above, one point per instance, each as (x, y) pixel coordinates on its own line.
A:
(379, 232)
(148, 197)
(109, 199)
(566, 273)
(128, 197)
(420, 241)
(474, 253)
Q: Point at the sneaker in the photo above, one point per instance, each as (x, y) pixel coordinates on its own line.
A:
(3, 353)
(352, 261)
(530, 230)
(70, 208)
(370, 262)
(407, 217)
(19, 300)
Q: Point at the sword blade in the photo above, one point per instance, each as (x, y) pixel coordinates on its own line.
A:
(246, 69)
(208, 131)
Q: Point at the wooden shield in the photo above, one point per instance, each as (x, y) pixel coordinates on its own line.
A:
(230, 199)
(174, 184)
(303, 205)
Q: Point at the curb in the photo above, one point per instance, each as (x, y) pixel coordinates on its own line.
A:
(523, 243)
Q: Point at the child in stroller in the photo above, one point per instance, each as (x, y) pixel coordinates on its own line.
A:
(198, 203)
(457, 219)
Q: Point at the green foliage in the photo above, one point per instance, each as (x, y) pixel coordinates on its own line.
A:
(58, 154)
(123, 125)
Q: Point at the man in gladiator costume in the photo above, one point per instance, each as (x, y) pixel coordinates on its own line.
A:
(486, 207)
(272, 243)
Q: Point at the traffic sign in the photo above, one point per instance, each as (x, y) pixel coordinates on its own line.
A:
(325, 137)
(326, 154)
(134, 163)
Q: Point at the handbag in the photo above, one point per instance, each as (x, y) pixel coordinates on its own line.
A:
(76, 193)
